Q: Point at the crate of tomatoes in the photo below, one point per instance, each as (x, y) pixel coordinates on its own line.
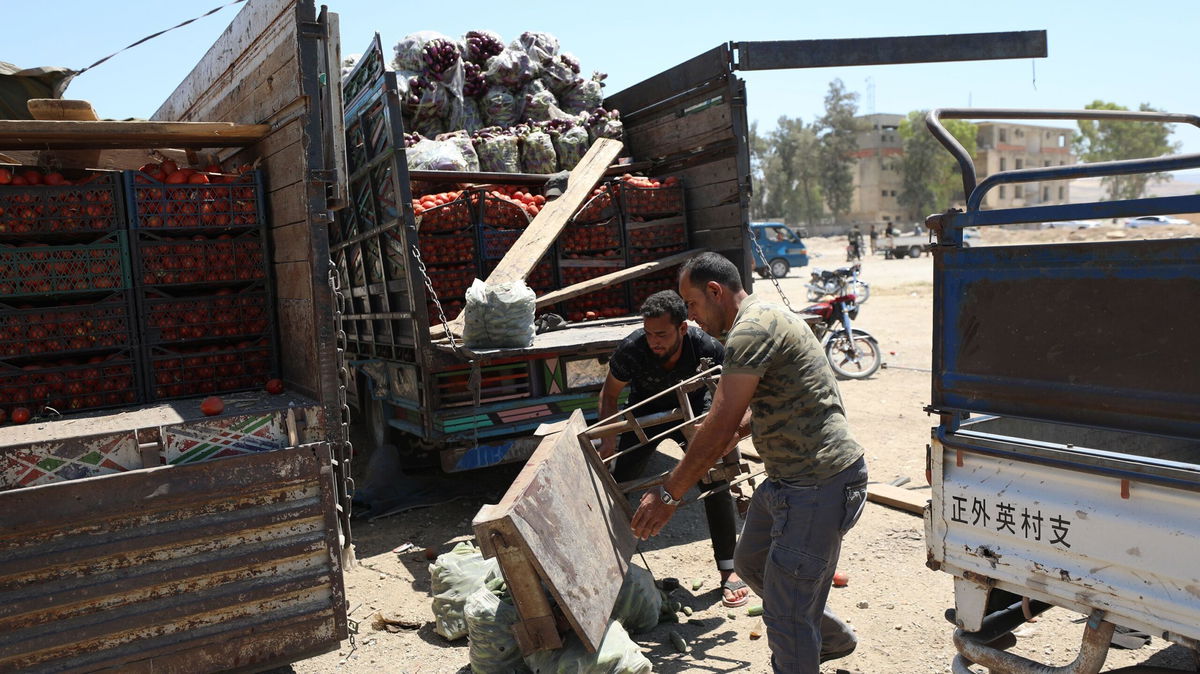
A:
(164, 260)
(166, 196)
(608, 302)
(649, 197)
(642, 287)
(505, 211)
(222, 313)
(64, 327)
(31, 268)
(35, 203)
(443, 212)
(193, 370)
(49, 386)
(600, 206)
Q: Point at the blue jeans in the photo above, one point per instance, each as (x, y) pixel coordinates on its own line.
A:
(787, 554)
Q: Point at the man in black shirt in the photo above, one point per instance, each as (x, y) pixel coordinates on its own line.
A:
(659, 355)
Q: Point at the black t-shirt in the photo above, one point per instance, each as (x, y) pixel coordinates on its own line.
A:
(633, 361)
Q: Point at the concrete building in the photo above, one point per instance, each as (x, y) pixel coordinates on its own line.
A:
(1003, 146)
(877, 178)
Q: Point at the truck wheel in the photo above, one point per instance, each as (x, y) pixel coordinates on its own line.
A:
(779, 267)
(914, 251)
(899, 253)
(762, 271)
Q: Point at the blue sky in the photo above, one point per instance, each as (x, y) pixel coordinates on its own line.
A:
(1117, 51)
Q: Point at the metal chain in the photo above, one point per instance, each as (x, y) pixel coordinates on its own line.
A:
(763, 257)
(345, 454)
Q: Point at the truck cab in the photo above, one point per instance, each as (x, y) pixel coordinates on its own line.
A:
(777, 249)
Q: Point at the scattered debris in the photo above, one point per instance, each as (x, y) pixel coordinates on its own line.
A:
(403, 548)
(755, 610)
(394, 624)
(697, 583)
(863, 604)
(681, 644)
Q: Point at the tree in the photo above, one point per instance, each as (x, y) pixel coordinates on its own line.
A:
(1109, 140)
(785, 164)
(931, 178)
(836, 131)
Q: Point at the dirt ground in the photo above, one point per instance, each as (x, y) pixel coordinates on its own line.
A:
(894, 602)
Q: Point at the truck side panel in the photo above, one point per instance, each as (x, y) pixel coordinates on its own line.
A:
(226, 564)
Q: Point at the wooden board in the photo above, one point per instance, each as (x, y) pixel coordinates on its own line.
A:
(62, 109)
(562, 523)
(75, 135)
(620, 276)
(897, 497)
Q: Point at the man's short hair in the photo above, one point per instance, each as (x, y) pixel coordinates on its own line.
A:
(707, 267)
(665, 303)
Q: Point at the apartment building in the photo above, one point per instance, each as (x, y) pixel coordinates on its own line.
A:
(1004, 146)
(877, 177)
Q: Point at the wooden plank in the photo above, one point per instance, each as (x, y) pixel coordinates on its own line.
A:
(620, 276)
(298, 358)
(289, 243)
(716, 217)
(579, 339)
(678, 134)
(62, 109)
(287, 205)
(897, 497)
(279, 139)
(719, 194)
(710, 65)
(720, 240)
(236, 50)
(571, 524)
(781, 54)
(75, 135)
(293, 280)
(711, 173)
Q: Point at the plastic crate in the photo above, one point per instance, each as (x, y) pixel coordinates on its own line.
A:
(452, 282)
(454, 248)
(651, 201)
(597, 240)
(452, 307)
(29, 330)
(220, 205)
(181, 372)
(640, 255)
(456, 215)
(501, 212)
(601, 206)
(70, 385)
(177, 261)
(34, 270)
(645, 286)
(542, 279)
(670, 233)
(38, 210)
(604, 303)
(224, 314)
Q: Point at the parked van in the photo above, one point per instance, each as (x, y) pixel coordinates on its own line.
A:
(781, 249)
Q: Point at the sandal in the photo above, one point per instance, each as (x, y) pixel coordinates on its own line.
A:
(732, 586)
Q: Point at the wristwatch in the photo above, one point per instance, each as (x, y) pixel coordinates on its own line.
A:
(667, 498)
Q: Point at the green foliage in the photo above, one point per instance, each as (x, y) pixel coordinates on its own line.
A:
(931, 178)
(784, 164)
(836, 131)
(1109, 140)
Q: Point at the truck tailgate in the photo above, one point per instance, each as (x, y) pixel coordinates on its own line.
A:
(204, 567)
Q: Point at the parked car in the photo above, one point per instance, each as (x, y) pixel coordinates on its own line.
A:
(1070, 224)
(782, 249)
(1154, 220)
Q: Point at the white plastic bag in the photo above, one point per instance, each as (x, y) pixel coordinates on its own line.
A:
(490, 619)
(456, 575)
(618, 654)
(638, 602)
(499, 316)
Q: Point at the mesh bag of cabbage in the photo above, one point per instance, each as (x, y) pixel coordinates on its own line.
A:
(499, 315)
(617, 654)
(455, 576)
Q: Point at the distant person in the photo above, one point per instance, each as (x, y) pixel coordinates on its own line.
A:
(659, 355)
(874, 234)
(854, 250)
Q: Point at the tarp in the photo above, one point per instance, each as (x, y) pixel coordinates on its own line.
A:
(18, 85)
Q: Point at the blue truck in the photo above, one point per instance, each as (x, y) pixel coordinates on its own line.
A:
(1065, 466)
(779, 249)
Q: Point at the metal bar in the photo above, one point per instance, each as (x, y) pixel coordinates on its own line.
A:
(934, 124)
(1097, 636)
(605, 430)
(781, 54)
(1099, 210)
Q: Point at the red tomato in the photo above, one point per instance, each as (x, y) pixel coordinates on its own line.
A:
(20, 415)
(212, 406)
(6, 176)
(840, 579)
(274, 386)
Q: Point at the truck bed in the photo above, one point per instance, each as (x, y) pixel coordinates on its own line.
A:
(578, 337)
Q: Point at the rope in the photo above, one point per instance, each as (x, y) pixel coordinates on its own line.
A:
(154, 35)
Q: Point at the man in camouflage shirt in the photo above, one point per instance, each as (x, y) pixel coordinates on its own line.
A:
(790, 543)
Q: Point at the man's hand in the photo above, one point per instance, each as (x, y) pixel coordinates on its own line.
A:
(608, 447)
(652, 514)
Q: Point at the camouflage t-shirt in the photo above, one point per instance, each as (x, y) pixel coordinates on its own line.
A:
(797, 416)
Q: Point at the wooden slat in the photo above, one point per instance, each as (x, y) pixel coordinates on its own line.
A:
(73, 135)
(677, 134)
(620, 276)
(719, 239)
(293, 280)
(280, 139)
(298, 358)
(718, 194)
(710, 65)
(568, 520)
(62, 109)
(897, 497)
(289, 243)
(715, 217)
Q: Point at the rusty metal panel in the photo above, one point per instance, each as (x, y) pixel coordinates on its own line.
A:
(193, 568)
(1094, 333)
(70, 459)
(204, 440)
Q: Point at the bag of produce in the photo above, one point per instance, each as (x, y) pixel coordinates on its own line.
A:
(462, 140)
(499, 315)
(501, 107)
(464, 116)
(561, 73)
(638, 602)
(436, 155)
(455, 576)
(585, 96)
(474, 84)
(540, 103)
(570, 142)
(541, 47)
(410, 52)
(537, 151)
(425, 98)
(481, 45)
(605, 124)
(499, 150)
(442, 61)
(512, 68)
(617, 654)
(490, 616)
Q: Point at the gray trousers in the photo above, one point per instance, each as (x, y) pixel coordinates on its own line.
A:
(787, 554)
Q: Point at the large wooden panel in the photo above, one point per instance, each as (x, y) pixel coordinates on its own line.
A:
(671, 135)
(293, 281)
(288, 204)
(289, 243)
(565, 517)
(297, 351)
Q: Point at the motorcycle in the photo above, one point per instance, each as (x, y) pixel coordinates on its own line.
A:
(841, 281)
(852, 353)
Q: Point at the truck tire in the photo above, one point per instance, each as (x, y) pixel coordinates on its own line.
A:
(899, 253)
(914, 251)
(779, 267)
